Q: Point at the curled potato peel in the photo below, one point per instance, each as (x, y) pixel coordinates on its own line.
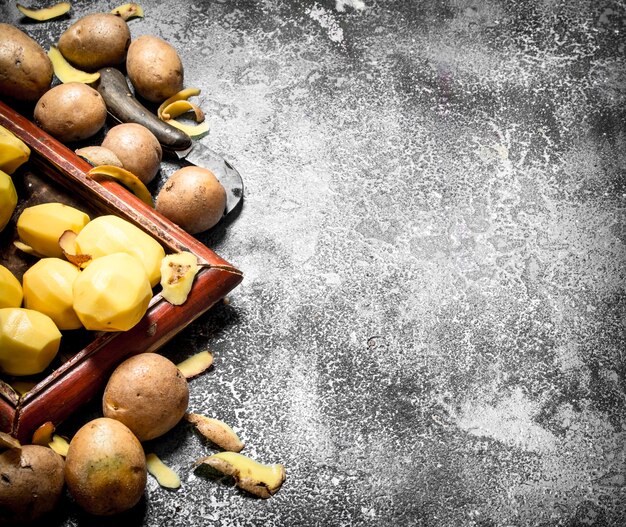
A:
(216, 431)
(128, 11)
(250, 475)
(178, 104)
(65, 72)
(125, 178)
(45, 13)
(196, 364)
(165, 476)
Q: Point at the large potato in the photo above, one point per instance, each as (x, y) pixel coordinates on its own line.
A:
(147, 393)
(193, 198)
(137, 148)
(25, 69)
(31, 483)
(154, 68)
(95, 41)
(71, 112)
(105, 467)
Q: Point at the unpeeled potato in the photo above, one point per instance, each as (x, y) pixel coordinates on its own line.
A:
(154, 68)
(31, 483)
(137, 148)
(71, 112)
(105, 467)
(25, 69)
(193, 198)
(147, 393)
(95, 41)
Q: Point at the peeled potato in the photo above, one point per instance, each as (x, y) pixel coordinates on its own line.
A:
(193, 198)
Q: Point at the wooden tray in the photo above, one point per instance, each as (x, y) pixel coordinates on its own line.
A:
(87, 359)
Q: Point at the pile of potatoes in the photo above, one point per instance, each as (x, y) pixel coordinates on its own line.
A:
(73, 112)
(105, 467)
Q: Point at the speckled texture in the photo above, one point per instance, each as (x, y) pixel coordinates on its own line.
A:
(430, 331)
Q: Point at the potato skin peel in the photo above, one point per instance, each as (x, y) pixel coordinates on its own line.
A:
(254, 477)
(196, 364)
(164, 475)
(216, 431)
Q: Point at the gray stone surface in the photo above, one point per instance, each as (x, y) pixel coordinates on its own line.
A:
(430, 331)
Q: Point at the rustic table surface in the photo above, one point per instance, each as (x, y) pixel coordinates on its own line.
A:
(430, 330)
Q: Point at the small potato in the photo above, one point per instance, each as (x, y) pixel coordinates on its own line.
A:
(99, 155)
(25, 69)
(95, 41)
(31, 483)
(71, 112)
(137, 148)
(154, 68)
(105, 467)
(193, 198)
(147, 393)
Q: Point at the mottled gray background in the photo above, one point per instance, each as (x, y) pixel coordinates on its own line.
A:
(431, 327)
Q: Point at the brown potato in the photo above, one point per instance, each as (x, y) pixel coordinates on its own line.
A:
(71, 112)
(99, 155)
(193, 198)
(137, 148)
(154, 68)
(31, 483)
(147, 393)
(105, 467)
(95, 41)
(25, 69)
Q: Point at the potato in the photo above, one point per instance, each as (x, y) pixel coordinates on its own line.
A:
(95, 41)
(137, 148)
(99, 155)
(193, 198)
(31, 483)
(25, 69)
(105, 467)
(71, 112)
(154, 68)
(147, 393)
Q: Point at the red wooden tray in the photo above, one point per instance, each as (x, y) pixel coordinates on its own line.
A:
(80, 374)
